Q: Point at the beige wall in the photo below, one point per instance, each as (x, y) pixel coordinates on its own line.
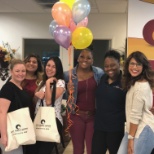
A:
(15, 27)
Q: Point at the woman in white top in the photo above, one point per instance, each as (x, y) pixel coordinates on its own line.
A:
(53, 72)
(138, 81)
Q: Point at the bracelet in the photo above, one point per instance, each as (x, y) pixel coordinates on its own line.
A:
(130, 137)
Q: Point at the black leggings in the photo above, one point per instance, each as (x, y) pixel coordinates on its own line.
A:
(44, 147)
(152, 151)
(103, 141)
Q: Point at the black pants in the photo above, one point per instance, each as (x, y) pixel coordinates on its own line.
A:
(103, 141)
(44, 147)
(152, 151)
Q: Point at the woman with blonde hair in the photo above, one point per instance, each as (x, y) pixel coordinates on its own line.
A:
(10, 93)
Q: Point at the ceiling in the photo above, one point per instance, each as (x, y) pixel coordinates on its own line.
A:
(44, 6)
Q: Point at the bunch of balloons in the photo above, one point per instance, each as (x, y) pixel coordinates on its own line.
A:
(69, 24)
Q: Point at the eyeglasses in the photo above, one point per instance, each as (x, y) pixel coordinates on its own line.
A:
(135, 64)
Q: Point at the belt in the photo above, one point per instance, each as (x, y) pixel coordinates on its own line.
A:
(89, 113)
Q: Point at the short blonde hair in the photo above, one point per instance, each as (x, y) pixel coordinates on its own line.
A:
(15, 62)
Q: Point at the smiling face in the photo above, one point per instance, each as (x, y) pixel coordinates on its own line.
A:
(50, 69)
(135, 68)
(18, 72)
(111, 67)
(85, 59)
(32, 65)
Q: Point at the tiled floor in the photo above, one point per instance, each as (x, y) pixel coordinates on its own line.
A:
(69, 149)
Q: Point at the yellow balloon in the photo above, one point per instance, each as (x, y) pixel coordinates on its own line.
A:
(82, 37)
(68, 2)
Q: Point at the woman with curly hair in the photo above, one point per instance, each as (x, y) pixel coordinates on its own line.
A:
(139, 82)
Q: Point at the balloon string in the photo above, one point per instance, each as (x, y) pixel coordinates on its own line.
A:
(69, 123)
(71, 106)
(70, 61)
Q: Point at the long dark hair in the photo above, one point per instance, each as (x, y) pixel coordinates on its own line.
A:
(147, 72)
(59, 70)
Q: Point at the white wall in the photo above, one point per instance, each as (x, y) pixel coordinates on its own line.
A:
(139, 13)
(15, 27)
(112, 26)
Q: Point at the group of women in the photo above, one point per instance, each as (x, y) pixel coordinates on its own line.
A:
(104, 100)
(32, 85)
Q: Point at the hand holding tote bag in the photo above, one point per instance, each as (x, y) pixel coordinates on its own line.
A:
(45, 122)
(20, 129)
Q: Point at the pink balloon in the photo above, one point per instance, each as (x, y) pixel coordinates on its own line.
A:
(62, 36)
(72, 26)
(83, 23)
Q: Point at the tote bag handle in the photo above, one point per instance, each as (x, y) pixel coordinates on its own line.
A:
(53, 86)
(53, 93)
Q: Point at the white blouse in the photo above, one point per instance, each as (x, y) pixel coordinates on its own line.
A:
(139, 101)
(58, 101)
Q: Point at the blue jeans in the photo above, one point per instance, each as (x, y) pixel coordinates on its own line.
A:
(142, 145)
(15, 151)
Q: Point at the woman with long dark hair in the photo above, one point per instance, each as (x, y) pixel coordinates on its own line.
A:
(139, 82)
(53, 72)
(34, 72)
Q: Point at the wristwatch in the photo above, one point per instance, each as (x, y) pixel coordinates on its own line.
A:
(130, 137)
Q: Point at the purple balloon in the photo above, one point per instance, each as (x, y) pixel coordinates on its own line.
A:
(52, 26)
(62, 36)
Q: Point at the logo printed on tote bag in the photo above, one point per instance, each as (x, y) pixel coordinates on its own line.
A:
(42, 125)
(42, 121)
(19, 130)
(18, 126)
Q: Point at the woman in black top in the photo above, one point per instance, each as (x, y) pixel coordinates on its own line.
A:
(110, 107)
(11, 95)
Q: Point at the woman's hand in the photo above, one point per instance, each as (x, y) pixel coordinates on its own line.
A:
(40, 94)
(152, 110)
(4, 106)
(3, 141)
(51, 80)
(131, 146)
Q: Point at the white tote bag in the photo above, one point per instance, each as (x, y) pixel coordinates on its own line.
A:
(20, 129)
(45, 121)
(45, 125)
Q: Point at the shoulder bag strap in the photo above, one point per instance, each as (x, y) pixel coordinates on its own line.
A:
(53, 93)
(41, 102)
(53, 85)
